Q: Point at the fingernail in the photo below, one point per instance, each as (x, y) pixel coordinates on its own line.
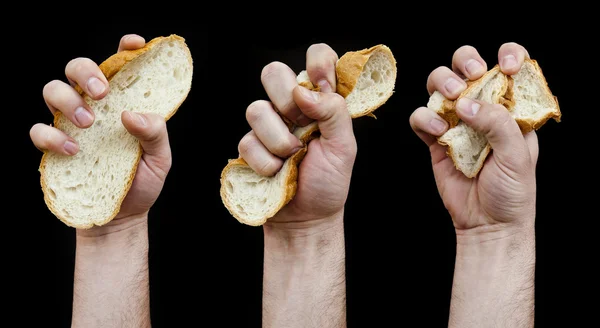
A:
(438, 125)
(140, 118)
(473, 67)
(70, 147)
(467, 107)
(95, 86)
(324, 86)
(83, 116)
(508, 62)
(310, 95)
(453, 86)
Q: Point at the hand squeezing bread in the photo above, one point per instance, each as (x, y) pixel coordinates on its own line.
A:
(525, 94)
(87, 188)
(365, 78)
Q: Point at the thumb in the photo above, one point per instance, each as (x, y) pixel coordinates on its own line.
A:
(499, 127)
(151, 130)
(332, 116)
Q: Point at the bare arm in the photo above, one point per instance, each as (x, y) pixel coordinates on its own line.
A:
(304, 282)
(494, 280)
(111, 286)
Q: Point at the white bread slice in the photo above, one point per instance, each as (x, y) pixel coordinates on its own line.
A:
(366, 79)
(526, 95)
(88, 188)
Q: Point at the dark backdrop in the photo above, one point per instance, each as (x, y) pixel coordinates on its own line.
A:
(206, 267)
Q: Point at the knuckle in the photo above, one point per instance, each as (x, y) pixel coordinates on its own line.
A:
(437, 73)
(266, 167)
(77, 66)
(319, 47)
(271, 68)
(284, 146)
(499, 115)
(50, 87)
(464, 50)
(439, 70)
(245, 144)
(338, 101)
(255, 110)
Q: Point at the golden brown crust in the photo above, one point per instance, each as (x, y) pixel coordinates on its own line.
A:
(109, 67)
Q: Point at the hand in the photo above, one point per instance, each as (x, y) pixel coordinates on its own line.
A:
(502, 196)
(324, 174)
(150, 129)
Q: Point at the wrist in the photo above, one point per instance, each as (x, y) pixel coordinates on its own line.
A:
(285, 238)
(494, 233)
(496, 244)
(127, 229)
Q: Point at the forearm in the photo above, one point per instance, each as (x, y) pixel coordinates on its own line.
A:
(111, 286)
(304, 282)
(494, 280)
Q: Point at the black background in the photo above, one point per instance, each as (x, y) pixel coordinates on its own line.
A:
(206, 267)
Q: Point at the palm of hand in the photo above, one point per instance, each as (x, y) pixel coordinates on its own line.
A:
(145, 189)
(323, 182)
(493, 197)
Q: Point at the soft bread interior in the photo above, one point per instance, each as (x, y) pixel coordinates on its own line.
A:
(375, 84)
(87, 188)
(532, 99)
(251, 196)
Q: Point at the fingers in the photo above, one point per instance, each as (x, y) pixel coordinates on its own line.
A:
(45, 137)
(446, 82)
(131, 42)
(60, 96)
(511, 56)
(258, 157)
(466, 62)
(320, 66)
(87, 75)
(151, 131)
(329, 109)
(500, 129)
(279, 80)
(427, 124)
(271, 130)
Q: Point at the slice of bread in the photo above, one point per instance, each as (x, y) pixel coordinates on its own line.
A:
(366, 79)
(525, 94)
(87, 189)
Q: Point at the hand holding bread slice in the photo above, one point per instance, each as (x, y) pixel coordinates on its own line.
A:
(366, 79)
(525, 94)
(88, 188)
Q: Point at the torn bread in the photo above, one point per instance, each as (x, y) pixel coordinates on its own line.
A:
(366, 79)
(525, 94)
(87, 189)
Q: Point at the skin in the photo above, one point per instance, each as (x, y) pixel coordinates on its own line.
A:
(493, 213)
(304, 254)
(114, 255)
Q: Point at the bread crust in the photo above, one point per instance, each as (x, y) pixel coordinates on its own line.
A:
(109, 67)
(350, 66)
